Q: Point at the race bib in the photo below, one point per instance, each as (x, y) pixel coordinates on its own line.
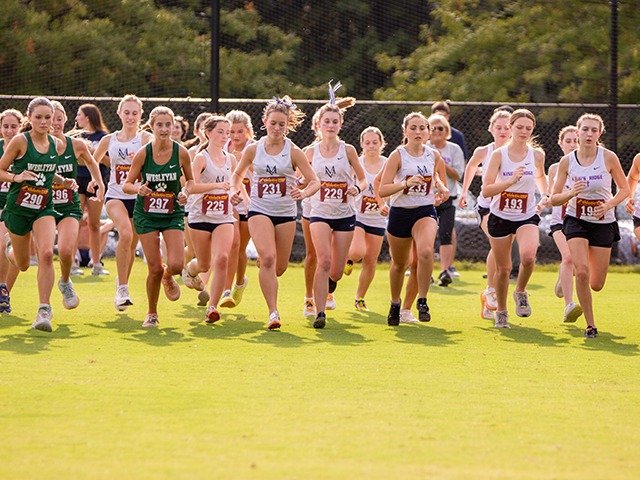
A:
(4, 187)
(121, 172)
(419, 190)
(32, 197)
(585, 209)
(247, 185)
(159, 202)
(512, 202)
(215, 204)
(369, 205)
(272, 187)
(61, 194)
(333, 192)
(563, 212)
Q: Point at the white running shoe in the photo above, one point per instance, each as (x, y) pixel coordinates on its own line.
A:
(572, 312)
(309, 309)
(226, 301)
(492, 300)
(69, 298)
(43, 319)
(191, 281)
(238, 290)
(406, 316)
(331, 302)
(75, 270)
(122, 300)
(98, 269)
(502, 320)
(488, 314)
(523, 309)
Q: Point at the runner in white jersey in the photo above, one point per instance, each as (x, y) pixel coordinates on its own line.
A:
(211, 216)
(371, 215)
(633, 202)
(333, 213)
(513, 174)
(568, 141)
(240, 137)
(117, 150)
(272, 207)
(500, 129)
(590, 225)
(412, 177)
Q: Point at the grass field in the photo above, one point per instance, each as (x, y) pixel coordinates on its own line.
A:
(101, 398)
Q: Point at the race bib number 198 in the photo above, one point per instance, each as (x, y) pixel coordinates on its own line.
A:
(585, 208)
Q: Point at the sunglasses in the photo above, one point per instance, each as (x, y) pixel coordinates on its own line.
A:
(439, 128)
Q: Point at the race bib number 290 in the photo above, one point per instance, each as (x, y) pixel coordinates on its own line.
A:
(32, 197)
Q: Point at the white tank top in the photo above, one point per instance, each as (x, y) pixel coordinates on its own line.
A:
(336, 176)
(120, 156)
(558, 212)
(273, 177)
(246, 181)
(598, 189)
(367, 208)
(518, 202)
(213, 206)
(481, 201)
(418, 195)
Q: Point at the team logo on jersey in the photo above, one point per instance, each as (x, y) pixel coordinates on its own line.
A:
(272, 170)
(161, 187)
(422, 170)
(220, 179)
(41, 179)
(330, 171)
(123, 153)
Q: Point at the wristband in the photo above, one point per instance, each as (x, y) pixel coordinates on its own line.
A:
(359, 189)
(14, 178)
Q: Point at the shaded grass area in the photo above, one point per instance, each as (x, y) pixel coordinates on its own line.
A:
(455, 398)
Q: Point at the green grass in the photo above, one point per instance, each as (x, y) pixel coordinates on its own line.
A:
(101, 398)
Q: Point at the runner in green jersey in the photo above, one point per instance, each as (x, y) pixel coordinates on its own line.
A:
(29, 209)
(159, 207)
(67, 201)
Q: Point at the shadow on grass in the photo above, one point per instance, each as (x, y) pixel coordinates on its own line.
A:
(421, 334)
(122, 324)
(339, 333)
(159, 337)
(192, 312)
(527, 334)
(279, 338)
(605, 341)
(33, 342)
(367, 317)
(230, 326)
(8, 320)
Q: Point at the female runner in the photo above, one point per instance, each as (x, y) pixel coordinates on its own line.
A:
(33, 159)
(272, 211)
(590, 224)
(371, 215)
(500, 129)
(67, 201)
(159, 207)
(513, 173)
(116, 150)
(211, 217)
(568, 141)
(332, 219)
(412, 178)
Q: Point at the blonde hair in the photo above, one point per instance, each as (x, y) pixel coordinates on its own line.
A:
(130, 98)
(341, 106)
(497, 115)
(591, 116)
(12, 112)
(524, 113)
(285, 105)
(238, 116)
(437, 118)
(156, 112)
(565, 130)
(36, 102)
(376, 131)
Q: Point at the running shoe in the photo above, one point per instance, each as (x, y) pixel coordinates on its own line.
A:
(69, 298)
(203, 298)
(423, 310)
(98, 269)
(226, 301)
(151, 321)
(122, 300)
(502, 319)
(212, 314)
(33, 261)
(171, 287)
(7, 249)
(43, 319)
(309, 309)
(320, 321)
(558, 289)
(193, 282)
(361, 305)
(444, 279)
(591, 332)
(523, 309)
(332, 285)
(490, 297)
(5, 299)
(572, 312)
(406, 316)
(76, 270)
(238, 290)
(393, 318)
(485, 311)
(453, 272)
(331, 302)
(274, 321)
(348, 267)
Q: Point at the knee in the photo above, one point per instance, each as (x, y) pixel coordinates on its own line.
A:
(65, 251)
(324, 264)
(425, 254)
(527, 259)
(45, 257)
(155, 270)
(222, 260)
(174, 267)
(567, 261)
(582, 273)
(125, 237)
(267, 261)
(369, 261)
(503, 270)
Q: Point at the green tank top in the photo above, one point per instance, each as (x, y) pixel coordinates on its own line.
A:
(67, 168)
(36, 194)
(4, 186)
(164, 180)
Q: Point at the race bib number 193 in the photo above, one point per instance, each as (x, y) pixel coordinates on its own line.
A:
(513, 202)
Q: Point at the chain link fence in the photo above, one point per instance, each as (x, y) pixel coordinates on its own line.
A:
(470, 117)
